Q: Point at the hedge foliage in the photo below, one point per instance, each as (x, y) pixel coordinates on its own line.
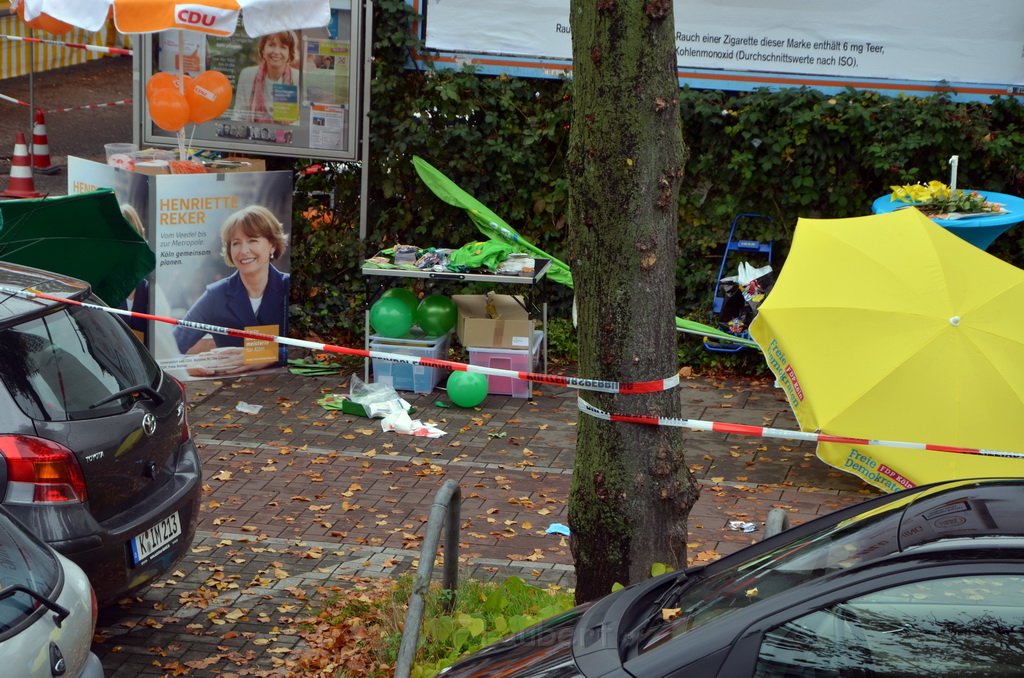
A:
(784, 154)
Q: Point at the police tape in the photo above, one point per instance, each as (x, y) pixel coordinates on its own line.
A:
(601, 385)
(785, 434)
(101, 49)
(119, 102)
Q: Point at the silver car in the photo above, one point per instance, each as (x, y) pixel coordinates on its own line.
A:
(47, 609)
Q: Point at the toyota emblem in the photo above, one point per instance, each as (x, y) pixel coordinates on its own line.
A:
(149, 423)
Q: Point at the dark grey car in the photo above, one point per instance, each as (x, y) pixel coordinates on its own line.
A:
(97, 456)
(923, 582)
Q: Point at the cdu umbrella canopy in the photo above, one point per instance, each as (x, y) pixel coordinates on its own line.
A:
(84, 236)
(890, 328)
(214, 17)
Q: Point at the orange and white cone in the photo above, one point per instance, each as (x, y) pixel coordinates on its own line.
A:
(21, 184)
(41, 147)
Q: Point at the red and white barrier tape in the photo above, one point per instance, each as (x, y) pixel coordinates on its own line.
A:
(120, 102)
(119, 51)
(601, 385)
(787, 434)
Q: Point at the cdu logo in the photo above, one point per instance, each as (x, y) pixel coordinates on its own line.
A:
(201, 17)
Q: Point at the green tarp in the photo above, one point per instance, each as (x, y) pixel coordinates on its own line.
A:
(493, 226)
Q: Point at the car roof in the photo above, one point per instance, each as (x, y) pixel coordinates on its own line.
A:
(966, 508)
(15, 276)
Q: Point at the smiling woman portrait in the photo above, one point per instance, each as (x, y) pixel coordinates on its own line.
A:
(277, 55)
(255, 295)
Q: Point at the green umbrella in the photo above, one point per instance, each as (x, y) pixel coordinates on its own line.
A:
(84, 236)
(494, 227)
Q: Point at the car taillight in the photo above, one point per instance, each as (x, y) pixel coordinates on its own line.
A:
(40, 471)
(185, 434)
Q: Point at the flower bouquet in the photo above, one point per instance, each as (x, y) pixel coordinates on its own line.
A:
(938, 201)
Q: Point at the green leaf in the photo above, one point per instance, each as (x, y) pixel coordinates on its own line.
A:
(439, 628)
(658, 569)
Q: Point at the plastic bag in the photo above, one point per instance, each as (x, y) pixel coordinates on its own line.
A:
(379, 400)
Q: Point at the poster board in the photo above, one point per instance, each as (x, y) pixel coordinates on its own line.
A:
(917, 46)
(182, 216)
(310, 107)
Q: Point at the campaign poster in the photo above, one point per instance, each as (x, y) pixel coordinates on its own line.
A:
(222, 245)
(223, 260)
(132, 191)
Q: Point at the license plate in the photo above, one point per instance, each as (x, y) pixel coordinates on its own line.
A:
(156, 539)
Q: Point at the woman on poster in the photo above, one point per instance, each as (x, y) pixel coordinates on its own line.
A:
(138, 299)
(254, 92)
(255, 295)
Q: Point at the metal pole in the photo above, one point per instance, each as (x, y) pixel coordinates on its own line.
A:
(447, 501)
(364, 179)
(364, 184)
(31, 97)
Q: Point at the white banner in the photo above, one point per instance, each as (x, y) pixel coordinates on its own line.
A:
(916, 40)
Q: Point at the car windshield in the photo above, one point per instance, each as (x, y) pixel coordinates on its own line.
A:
(23, 562)
(60, 365)
(743, 583)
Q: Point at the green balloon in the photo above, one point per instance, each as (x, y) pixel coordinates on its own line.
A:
(467, 389)
(390, 317)
(437, 314)
(407, 297)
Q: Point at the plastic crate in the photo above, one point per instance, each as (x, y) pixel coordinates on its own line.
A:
(406, 377)
(508, 359)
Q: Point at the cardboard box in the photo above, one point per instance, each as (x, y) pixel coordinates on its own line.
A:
(511, 329)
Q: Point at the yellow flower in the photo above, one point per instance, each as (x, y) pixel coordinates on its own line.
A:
(932, 191)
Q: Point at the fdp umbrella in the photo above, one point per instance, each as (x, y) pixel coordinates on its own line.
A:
(496, 228)
(889, 327)
(215, 17)
(83, 235)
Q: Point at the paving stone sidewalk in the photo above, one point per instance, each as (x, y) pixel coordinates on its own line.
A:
(298, 497)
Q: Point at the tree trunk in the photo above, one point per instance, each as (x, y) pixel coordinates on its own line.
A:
(631, 490)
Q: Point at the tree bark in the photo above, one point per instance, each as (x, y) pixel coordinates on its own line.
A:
(631, 490)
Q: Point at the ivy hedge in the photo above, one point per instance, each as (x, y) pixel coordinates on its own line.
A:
(784, 154)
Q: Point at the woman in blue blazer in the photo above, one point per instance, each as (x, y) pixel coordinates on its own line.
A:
(256, 294)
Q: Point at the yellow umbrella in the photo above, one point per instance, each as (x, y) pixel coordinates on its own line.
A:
(890, 328)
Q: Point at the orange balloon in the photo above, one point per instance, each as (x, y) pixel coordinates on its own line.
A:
(209, 95)
(168, 109)
(45, 22)
(165, 80)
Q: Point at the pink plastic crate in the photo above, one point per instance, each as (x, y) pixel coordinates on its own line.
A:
(508, 359)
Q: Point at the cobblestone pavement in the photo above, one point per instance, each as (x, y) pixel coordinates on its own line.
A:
(299, 499)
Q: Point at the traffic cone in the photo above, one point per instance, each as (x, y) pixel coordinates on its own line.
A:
(41, 147)
(21, 184)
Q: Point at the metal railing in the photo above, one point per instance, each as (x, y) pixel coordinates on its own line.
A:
(447, 502)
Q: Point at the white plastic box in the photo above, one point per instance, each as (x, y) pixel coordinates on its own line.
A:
(406, 377)
(519, 360)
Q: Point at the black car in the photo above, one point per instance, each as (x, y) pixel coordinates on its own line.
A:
(925, 582)
(97, 458)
